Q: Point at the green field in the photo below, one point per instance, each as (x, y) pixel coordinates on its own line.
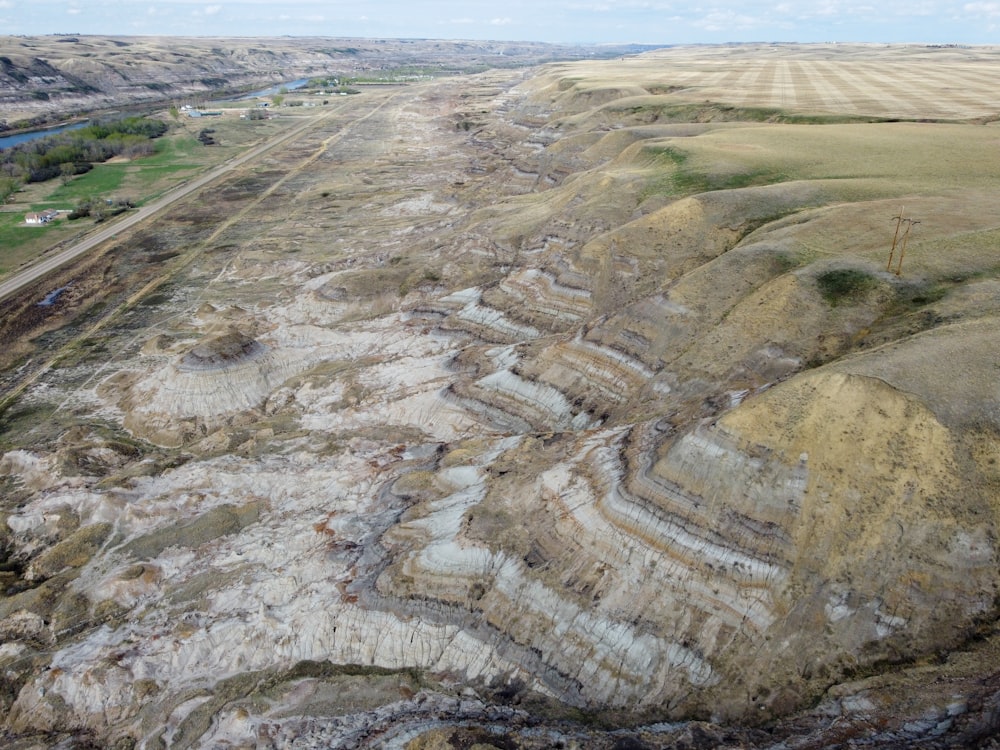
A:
(100, 181)
(21, 243)
(179, 156)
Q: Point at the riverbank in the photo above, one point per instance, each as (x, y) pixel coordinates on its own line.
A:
(26, 135)
(50, 76)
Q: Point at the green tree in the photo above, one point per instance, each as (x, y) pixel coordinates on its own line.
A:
(8, 186)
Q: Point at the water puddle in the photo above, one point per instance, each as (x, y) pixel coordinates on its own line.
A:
(51, 298)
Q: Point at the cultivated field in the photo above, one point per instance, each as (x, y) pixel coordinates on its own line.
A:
(907, 82)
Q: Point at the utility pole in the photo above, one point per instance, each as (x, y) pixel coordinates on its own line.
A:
(895, 238)
(902, 249)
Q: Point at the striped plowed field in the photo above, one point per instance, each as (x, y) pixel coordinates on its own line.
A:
(911, 82)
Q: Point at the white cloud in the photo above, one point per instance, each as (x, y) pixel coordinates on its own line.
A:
(827, 9)
(501, 22)
(726, 20)
(207, 12)
(618, 5)
(989, 10)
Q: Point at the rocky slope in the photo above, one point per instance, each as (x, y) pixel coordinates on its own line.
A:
(50, 77)
(537, 432)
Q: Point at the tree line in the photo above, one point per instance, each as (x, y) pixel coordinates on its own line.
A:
(76, 151)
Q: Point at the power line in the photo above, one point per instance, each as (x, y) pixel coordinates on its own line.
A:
(898, 241)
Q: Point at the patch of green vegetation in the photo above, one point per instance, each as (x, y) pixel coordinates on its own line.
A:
(769, 114)
(669, 154)
(44, 599)
(568, 82)
(404, 73)
(682, 181)
(912, 298)
(668, 111)
(72, 552)
(199, 587)
(102, 179)
(14, 235)
(170, 150)
(155, 300)
(664, 88)
(844, 284)
(140, 180)
(18, 420)
(691, 182)
(148, 176)
(217, 522)
(82, 351)
(72, 153)
(752, 225)
(910, 311)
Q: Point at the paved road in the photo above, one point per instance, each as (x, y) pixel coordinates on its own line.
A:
(31, 274)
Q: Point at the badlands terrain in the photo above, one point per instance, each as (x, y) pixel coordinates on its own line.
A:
(578, 405)
(45, 79)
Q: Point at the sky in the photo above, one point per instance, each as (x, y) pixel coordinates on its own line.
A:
(570, 21)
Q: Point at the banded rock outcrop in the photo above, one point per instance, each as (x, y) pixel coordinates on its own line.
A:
(224, 374)
(693, 559)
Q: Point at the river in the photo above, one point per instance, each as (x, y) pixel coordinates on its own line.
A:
(7, 141)
(12, 140)
(272, 90)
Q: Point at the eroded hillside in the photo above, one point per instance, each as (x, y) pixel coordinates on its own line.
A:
(531, 408)
(47, 78)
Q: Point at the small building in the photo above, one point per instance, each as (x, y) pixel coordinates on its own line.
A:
(41, 217)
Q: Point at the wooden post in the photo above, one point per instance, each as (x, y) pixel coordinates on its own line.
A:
(895, 238)
(902, 249)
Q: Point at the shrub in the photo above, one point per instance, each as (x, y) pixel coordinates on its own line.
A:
(844, 284)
